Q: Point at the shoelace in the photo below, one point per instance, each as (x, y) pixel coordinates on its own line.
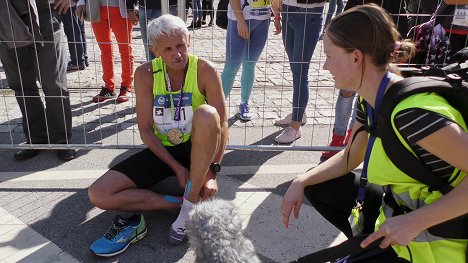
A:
(113, 231)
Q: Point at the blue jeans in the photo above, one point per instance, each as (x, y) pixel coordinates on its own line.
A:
(331, 10)
(245, 51)
(197, 10)
(301, 29)
(344, 114)
(146, 15)
(75, 32)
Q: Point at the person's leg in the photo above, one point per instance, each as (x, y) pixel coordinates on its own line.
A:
(344, 118)
(343, 112)
(125, 186)
(307, 29)
(204, 11)
(330, 11)
(335, 206)
(102, 33)
(122, 29)
(52, 76)
(339, 6)
(206, 137)
(235, 48)
(21, 77)
(300, 47)
(73, 33)
(256, 43)
(197, 11)
(83, 42)
(146, 15)
(211, 12)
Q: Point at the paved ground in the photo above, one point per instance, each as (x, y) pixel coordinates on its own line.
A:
(45, 215)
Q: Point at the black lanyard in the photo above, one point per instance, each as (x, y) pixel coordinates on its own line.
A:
(372, 115)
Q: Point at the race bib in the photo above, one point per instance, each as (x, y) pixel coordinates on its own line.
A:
(260, 7)
(164, 119)
(460, 17)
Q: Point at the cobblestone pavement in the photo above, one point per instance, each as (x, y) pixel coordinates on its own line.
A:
(271, 96)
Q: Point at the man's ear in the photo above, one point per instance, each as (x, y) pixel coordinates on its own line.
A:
(153, 50)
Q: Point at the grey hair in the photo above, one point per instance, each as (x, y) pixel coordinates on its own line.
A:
(165, 25)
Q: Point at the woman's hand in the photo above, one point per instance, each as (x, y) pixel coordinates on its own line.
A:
(80, 11)
(132, 15)
(293, 199)
(397, 231)
(243, 29)
(277, 23)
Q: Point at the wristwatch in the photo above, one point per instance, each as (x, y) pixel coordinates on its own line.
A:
(215, 168)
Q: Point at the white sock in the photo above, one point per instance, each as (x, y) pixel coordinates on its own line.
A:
(183, 216)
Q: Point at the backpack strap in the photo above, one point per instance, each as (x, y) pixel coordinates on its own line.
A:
(349, 247)
(396, 151)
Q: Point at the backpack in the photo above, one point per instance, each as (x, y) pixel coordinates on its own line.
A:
(221, 14)
(455, 90)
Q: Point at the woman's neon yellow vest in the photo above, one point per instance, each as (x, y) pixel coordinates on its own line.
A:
(426, 248)
(191, 100)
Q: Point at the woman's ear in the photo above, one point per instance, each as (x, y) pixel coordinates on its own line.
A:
(358, 56)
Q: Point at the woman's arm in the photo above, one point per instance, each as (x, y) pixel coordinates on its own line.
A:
(276, 7)
(242, 27)
(336, 166)
(451, 145)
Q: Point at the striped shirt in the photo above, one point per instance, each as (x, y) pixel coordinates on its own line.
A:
(415, 124)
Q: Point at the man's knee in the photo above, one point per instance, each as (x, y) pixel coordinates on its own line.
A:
(99, 197)
(207, 117)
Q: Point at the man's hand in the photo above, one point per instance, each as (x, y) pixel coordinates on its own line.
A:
(183, 175)
(133, 17)
(61, 6)
(210, 186)
(80, 11)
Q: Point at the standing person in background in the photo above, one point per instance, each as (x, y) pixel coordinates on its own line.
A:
(332, 6)
(33, 54)
(300, 22)
(197, 14)
(147, 11)
(75, 32)
(246, 36)
(207, 6)
(119, 17)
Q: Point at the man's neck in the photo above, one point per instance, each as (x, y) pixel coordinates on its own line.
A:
(177, 77)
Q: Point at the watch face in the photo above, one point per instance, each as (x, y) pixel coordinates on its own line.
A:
(215, 167)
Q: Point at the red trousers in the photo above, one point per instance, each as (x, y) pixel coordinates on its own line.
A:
(112, 21)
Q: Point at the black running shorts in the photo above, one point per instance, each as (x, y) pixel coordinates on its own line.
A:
(145, 169)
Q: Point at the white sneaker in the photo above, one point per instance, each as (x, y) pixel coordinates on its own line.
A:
(288, 118)
(289, 135)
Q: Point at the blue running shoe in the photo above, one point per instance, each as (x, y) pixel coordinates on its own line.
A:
(120, 235)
